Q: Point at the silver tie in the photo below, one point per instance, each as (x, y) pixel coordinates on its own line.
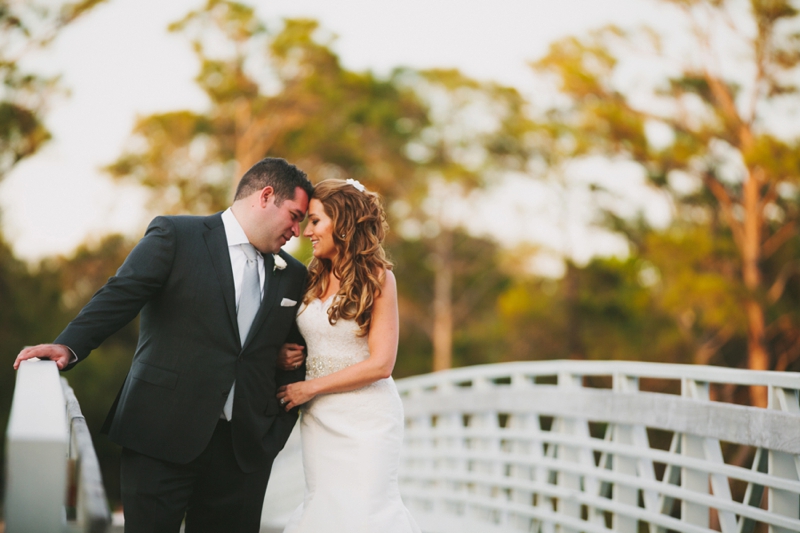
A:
(249, 302)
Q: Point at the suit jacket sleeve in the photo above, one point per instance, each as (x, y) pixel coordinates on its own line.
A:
(139, 279)
(284, 377)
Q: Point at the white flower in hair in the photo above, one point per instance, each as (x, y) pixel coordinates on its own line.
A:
(280, 262)
(356, 184)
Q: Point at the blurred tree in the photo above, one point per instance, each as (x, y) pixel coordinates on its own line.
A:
(24, 97)
(552, 151)
(287, 94)
(613, 303)
(694, 278)
(478, 277)
(474, 136)
(704, 133)
(284, 94)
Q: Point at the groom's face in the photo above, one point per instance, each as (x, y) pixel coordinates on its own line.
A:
(279, 223)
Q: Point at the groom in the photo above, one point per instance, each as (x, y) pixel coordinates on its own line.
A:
(197, 416)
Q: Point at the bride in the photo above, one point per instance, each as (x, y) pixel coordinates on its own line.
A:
(352, 416)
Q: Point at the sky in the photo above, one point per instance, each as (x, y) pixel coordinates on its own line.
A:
(119, 62)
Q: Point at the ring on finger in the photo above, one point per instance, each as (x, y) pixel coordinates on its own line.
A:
(282, 401)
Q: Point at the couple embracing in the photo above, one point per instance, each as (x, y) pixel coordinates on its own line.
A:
(236, 337)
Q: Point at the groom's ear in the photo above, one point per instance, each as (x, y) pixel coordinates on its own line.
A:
(265, 195)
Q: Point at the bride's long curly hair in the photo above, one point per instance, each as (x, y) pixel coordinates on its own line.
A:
(360, 263)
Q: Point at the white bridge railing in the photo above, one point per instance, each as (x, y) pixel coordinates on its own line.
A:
(566, 446)
(557, 446)
(53, 479)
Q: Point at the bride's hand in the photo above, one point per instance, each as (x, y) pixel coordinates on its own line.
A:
(291, 356)
(294, 394)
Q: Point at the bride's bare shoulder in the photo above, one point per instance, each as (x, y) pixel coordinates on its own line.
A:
(388, 284)
(386, 276)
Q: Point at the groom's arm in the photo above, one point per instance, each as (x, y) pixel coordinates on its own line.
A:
(122, 297)
(284, 377)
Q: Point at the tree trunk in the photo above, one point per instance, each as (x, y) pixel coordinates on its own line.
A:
(575, 346)
(757, 356)
(443, 301)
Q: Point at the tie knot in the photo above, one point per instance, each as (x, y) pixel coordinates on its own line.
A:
(250, 251)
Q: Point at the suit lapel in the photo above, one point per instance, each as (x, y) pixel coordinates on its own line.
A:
(217, 245)
(274, 281)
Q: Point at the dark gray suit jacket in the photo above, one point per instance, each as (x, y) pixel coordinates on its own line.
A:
(189, 353)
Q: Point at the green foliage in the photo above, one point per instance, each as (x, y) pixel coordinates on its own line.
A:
(24, 96)
(285, 95)
(718, 138)
(606, 311)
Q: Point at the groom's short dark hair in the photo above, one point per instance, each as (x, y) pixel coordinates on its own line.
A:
(277, 173)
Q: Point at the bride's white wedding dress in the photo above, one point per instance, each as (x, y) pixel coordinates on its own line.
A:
(351, 440)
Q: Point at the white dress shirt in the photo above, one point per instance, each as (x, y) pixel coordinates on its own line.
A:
(236, 237)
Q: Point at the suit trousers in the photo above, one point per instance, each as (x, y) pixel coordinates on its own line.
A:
(211, 492)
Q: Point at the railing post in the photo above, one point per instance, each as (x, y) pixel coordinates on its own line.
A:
(694, 446)
(530, 447)
(420, 440)
(782, 464)
(450, 447)
(486, 423)
(37, 447)
(625, 434)
(578, 427)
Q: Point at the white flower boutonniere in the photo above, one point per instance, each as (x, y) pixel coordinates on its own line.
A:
(280, 263)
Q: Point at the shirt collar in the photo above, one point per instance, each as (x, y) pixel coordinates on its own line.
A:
(233, 230)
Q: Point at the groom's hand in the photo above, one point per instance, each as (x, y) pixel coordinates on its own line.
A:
(291, 356)
(54, 352)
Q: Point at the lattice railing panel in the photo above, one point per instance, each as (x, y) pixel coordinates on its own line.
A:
(531, 447)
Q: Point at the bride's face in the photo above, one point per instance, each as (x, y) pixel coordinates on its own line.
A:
(320, 230)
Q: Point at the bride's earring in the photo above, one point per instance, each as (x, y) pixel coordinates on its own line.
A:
(342, 235)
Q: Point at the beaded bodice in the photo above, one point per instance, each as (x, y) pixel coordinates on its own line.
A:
(330, 347)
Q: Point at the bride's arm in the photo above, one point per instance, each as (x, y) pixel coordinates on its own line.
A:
(382, 339)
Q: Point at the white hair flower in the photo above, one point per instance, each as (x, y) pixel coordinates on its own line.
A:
(356, 184)
(280, 263)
